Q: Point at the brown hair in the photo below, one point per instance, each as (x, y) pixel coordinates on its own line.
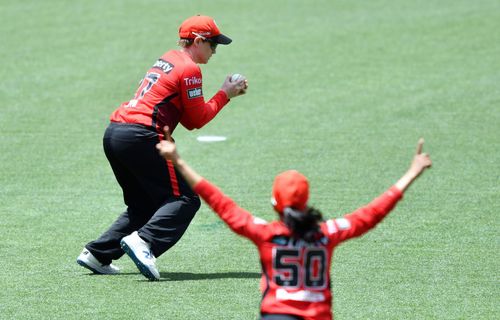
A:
(184, 43)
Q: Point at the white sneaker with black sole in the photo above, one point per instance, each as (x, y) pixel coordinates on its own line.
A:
(87, 260)
(140, 252)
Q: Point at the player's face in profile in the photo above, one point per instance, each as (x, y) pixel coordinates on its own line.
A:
(207, 49)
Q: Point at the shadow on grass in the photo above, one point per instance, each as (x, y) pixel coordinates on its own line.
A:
(183, 276)
(189, 276)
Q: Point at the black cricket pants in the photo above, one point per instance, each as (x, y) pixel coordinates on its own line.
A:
(159, 216)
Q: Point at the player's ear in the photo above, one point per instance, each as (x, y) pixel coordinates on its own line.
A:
(197, 41)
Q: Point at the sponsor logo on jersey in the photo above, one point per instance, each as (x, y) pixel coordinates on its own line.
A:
(301, 295)
(343, 223)
(332, 228)
(298, 243)
(192, 81)
(280, 240)
(194, 93)
(165, 66)
(257, 220)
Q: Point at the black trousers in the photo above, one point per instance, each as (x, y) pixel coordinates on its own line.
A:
(153, 209)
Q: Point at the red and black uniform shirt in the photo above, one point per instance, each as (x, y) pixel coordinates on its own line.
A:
(171, 92)
(295, 274)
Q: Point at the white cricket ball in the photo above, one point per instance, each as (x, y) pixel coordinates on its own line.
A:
(236, 77)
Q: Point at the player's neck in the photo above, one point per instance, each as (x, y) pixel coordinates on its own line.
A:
(190, 53)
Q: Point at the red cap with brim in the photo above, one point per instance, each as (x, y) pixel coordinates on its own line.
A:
(202, 26)
(290, 189)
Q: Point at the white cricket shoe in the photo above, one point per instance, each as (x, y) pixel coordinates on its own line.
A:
(87, 260)
(140, 252)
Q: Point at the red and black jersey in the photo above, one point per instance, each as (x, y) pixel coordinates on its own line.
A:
(171, 92)
(296, 274)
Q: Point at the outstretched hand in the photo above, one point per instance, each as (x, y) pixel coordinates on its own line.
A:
(234, 89)
(167, 148)
(421, 161)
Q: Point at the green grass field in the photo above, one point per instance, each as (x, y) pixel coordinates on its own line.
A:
(340, 90)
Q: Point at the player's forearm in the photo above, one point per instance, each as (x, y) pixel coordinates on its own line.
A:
(191, 176)
(367, 217)
(406, 180)
(195, 117)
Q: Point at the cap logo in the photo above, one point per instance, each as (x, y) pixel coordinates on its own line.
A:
(203, 34)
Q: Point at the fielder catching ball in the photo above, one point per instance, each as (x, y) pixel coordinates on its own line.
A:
(160, 203)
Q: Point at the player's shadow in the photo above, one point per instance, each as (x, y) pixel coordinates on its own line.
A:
(189, 276)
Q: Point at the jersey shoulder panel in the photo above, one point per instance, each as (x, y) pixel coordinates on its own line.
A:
(181, 63)
(170, 63)
(274, 228)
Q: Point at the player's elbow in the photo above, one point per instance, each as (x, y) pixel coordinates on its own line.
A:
(191, 126)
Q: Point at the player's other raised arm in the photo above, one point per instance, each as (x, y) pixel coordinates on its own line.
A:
(365, 218)
(420, 162)
(239, 220)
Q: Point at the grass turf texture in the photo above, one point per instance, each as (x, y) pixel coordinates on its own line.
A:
(340, 90)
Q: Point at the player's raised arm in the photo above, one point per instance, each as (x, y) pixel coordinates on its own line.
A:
(420, 162)
(367, 217)
(238, 219)
(168, 150)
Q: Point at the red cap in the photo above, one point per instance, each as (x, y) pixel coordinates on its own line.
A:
(202, 26)
(290, 189)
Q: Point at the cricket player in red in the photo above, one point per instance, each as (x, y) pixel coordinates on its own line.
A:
(296, 251)
(160, 204)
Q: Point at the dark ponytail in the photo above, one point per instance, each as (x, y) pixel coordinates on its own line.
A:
(304, 225)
